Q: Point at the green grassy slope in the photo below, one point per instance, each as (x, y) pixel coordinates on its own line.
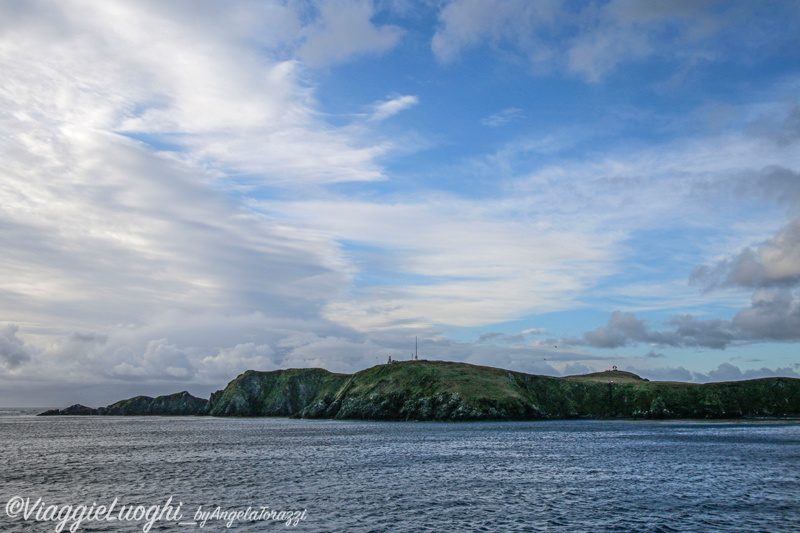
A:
(276, 393)
(443, 390)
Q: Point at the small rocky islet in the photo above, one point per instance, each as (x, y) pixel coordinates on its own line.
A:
(450, 391)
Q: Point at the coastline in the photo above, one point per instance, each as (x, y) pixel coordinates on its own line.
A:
(448, 391)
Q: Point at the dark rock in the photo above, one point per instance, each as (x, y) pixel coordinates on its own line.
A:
(77, 409)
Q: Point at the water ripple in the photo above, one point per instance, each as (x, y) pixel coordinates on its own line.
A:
(363, 476)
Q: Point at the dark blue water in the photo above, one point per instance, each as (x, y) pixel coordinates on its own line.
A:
(361, 476)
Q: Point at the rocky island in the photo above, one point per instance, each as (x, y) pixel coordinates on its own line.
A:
(449, 391)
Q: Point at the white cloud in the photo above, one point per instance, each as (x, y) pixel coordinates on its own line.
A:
(120, 232)
(102, 229)
(467, 23)
(161, 361)
(595, 39)
(501, 118)
(231, 361)
(459, 262)
(125, 67)
(594, 55)
(534, 331)
(344, 29)
(559, 231)
(139, 244)
(388, 108)
(775, 263)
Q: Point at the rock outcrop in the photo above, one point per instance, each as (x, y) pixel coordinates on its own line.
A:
(180, 403)
(76, 409)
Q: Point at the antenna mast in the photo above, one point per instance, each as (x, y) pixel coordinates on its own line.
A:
(416, 356)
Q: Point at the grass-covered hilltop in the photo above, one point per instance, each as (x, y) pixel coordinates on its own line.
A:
(442, 390)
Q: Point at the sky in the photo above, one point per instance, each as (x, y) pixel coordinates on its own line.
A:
(189, 190)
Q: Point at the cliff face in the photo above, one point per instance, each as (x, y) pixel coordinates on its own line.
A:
(277, 393)
(440, 390)
(180, 403)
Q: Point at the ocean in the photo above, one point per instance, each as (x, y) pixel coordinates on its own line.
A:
(190, 474)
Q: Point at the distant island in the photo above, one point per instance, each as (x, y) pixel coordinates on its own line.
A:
(449, 391)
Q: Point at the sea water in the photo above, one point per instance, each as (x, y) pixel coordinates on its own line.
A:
(197, 474)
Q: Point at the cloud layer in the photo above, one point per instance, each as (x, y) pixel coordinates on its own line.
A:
(192, 190)
(592, 40)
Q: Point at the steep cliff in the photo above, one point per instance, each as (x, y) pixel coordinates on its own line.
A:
(276, 393)
(180, 403)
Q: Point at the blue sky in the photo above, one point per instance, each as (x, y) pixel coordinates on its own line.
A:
(192, 190)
